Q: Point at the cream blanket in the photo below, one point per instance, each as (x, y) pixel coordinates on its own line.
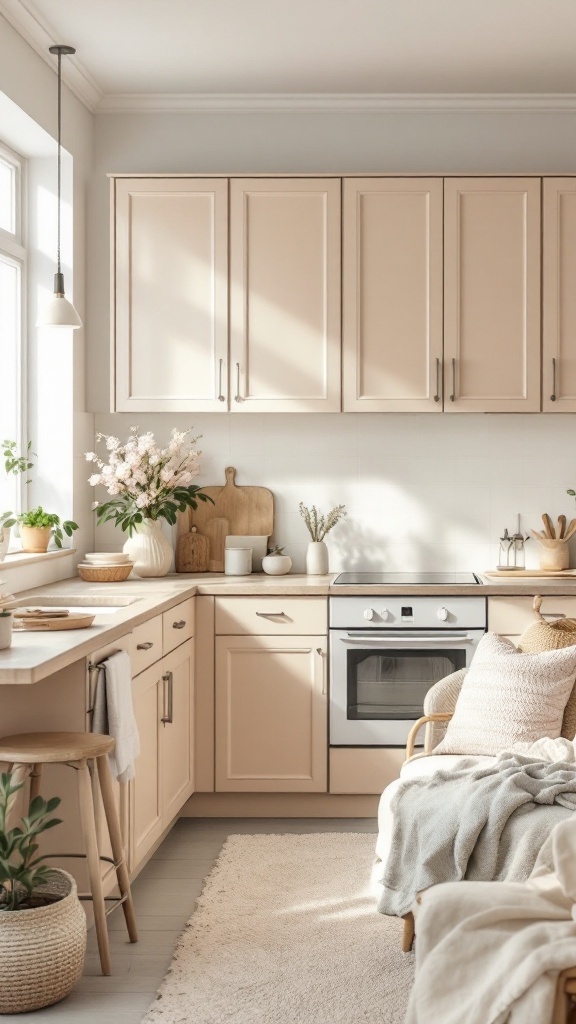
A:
(491, 953)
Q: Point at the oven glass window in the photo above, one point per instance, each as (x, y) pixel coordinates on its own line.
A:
(393, 684)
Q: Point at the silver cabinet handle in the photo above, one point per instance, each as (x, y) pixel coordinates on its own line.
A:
(144, 647)
(453, 395)
(237, 397)
(437, 395)
(168, 718)
(271, 615)
(221, 397)
(321, 653)
(553, 395)
(179, 625)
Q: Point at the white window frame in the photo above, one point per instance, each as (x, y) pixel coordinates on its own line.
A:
(13, 248)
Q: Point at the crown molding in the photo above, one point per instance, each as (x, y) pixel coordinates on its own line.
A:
(24, 17)
(338, 103)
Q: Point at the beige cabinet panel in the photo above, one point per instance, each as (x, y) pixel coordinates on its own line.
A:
(392, 294)
(170, 290)
(285, 295)
(492, 294)
(178, 625)
(146, 644)
(271, 616)
(177, 733)
(146, 787)
(271, 717)
(512, 615)
(559, 295)
(364, 769)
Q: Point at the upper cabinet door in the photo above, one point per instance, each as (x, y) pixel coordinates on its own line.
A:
(285, 295)
(559, 275)
(171, 294)
(392, 294)
(492, 295)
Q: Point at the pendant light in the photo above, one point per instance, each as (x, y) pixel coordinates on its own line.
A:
(59, 312)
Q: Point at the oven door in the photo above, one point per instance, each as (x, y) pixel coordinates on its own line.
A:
(378, 680)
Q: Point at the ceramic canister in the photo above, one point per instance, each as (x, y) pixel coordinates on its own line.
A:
(237, 561)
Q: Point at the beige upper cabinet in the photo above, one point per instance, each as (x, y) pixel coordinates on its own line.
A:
(492, 294)
(392, 294)
(170, 294)
(559, 303)
(285, 295)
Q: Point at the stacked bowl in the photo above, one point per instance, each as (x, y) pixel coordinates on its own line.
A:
(105, 567)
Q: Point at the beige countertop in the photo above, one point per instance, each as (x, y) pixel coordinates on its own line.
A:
(36, 656)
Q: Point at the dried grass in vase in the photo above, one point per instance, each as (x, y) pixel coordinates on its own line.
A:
(319, 525)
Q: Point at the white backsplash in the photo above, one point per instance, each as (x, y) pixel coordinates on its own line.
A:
(422, 492)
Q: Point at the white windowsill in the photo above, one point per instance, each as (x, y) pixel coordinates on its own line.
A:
(20, 558)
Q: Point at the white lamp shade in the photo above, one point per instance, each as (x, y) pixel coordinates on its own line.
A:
(58, 312)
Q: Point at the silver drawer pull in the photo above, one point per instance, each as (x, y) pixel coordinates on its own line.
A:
(179, 625)
(553, 395)
(168, 716)
(144, 647)
(272, 615)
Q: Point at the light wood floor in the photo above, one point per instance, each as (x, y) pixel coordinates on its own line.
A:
(165, 896)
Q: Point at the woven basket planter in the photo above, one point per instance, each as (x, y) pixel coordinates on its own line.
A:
(42, 950)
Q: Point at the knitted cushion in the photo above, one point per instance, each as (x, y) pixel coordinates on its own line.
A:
(508, 697)
(551, 636)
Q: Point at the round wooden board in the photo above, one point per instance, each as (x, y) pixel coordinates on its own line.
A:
(46, 624)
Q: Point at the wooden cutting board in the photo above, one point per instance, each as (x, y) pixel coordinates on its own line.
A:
(249, 510)
(216, 531)
(527, 573)
(73, 621)
(192, 552)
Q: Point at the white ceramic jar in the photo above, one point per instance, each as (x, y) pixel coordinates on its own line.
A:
(237, 561)
(6, 620)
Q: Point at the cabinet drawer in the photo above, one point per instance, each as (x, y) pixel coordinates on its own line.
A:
(177, 625)
(512, 615)
(271, 616)
(364, 769)
(146, 644)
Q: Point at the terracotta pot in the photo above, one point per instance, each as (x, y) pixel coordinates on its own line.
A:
(35, 539)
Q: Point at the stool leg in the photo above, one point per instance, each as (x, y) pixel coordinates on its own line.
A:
(19, 773)
(35, 780)
(408, 932)
(93, 861)
(117, 846)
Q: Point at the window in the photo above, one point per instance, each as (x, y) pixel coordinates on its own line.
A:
(12, 314)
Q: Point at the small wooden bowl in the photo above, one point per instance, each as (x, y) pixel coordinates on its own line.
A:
(104, 573)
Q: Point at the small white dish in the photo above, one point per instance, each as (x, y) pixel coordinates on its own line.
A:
(106, 557)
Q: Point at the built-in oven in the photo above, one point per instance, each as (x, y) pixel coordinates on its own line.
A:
(386, 653)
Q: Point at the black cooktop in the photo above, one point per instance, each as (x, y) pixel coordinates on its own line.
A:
(405, 579)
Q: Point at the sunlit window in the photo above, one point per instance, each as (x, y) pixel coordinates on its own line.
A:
(12, 319)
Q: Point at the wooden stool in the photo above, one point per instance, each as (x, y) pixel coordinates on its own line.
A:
(25, 755)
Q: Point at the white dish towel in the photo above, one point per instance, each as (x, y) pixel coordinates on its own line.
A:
(114, 714)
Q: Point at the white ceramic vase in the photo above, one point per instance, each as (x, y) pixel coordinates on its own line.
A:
(149, 549)
(4, 541)
(276, 565)
(317, 558)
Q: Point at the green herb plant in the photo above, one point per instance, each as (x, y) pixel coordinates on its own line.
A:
(276, 550)
(37, 517)
(22, 873)
(14, 464)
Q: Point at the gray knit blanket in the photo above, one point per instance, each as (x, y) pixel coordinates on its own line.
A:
(482, 823)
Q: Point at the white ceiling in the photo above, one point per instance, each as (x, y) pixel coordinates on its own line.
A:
(310, 46)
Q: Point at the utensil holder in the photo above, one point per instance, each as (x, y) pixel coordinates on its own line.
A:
(554, 554)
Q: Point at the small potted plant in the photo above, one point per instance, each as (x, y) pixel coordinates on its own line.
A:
(276, 563)
(14, 464)
(5, 629)
(42, 923)
(37, 526)
(318, 525)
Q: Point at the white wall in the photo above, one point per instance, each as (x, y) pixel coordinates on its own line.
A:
(423, 491)
(58, 422)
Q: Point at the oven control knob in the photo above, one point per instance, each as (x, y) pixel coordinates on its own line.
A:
(384, 614)
(369, 613)
(442, 614)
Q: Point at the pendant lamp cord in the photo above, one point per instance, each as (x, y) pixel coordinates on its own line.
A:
(59, 151)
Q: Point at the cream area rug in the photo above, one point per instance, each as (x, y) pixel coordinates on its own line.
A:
(286, 932)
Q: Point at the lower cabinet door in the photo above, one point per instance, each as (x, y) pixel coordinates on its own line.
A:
(177, 730)
(271, 714)
(146, 822)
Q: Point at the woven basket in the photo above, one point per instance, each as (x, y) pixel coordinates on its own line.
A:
(104, 573)
(550, 636)
(42, 950)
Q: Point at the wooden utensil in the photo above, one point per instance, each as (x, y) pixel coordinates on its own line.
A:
(548, 526)
(570, 529)
(193, 552)
(216, 530)
(249, 510)
(561, 527)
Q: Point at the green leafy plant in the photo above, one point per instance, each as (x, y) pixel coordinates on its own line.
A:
(37, 517)
(319, 525)
(21, 871)
(14, 464)
(276, 550)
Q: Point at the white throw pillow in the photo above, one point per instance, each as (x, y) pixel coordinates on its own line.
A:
(508, 697)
